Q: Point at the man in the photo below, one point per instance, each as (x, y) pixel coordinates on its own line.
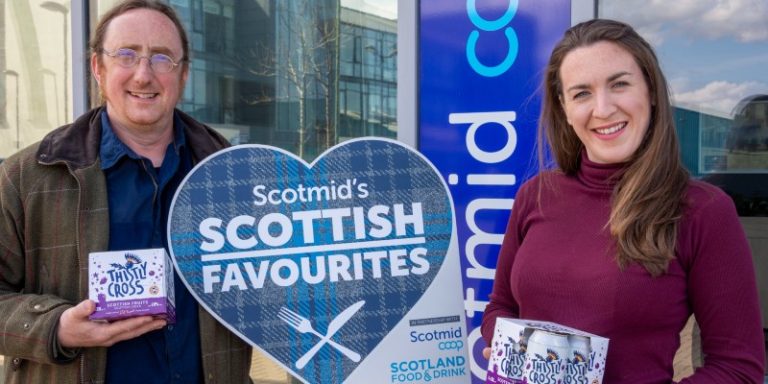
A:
(106, 182)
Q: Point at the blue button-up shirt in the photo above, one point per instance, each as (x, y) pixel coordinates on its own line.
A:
(140, 197)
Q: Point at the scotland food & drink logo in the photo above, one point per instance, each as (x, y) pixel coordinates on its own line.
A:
(313, 264)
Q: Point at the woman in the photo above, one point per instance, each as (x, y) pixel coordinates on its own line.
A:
(618, 240)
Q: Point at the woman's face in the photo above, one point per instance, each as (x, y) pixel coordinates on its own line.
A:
(606, 100)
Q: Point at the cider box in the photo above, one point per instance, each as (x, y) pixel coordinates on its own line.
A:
(131, 283)
(541, 352)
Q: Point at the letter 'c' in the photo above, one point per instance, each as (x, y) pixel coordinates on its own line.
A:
(500, 68)
(490, 26)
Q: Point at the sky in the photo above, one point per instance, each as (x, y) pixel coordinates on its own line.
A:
(383, 8)
(714, 53)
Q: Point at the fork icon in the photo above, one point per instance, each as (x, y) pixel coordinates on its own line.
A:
(303, 325)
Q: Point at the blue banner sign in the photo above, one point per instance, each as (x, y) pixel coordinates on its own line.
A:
(479, 77)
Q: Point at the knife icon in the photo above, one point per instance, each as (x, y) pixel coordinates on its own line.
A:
(333, 327)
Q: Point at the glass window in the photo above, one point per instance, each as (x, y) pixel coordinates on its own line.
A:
(35, 71)
(302, 75)
(294, 73)
(714, 57)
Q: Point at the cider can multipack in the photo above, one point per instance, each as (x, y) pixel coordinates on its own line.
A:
(131, 283)
(540, 352)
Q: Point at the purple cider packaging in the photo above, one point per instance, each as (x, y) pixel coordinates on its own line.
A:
(131, 283)
(519, 356)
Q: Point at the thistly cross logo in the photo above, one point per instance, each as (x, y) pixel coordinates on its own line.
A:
(314, 264)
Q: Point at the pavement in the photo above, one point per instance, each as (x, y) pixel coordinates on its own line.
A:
(270, 373)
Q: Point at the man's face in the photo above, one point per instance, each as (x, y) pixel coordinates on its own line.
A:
(139, 98)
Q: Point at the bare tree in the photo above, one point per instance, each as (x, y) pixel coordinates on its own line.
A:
(303, 66)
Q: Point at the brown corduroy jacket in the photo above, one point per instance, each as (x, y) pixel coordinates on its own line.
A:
(53, 213)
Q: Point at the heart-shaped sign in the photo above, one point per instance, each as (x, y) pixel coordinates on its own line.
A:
(316, 264)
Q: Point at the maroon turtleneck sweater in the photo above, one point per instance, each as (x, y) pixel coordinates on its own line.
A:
(557, 263)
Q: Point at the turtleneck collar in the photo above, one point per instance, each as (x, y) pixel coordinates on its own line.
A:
(598, 176)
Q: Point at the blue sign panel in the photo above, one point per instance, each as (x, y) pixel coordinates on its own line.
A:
(479, 77)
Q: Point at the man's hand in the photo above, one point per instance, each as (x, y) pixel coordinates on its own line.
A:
(76, 330)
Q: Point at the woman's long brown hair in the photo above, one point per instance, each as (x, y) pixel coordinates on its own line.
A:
(647, 200)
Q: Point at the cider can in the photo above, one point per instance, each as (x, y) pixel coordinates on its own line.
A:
(507, 358)
(578, 360)
(513, 363)
(546, 357)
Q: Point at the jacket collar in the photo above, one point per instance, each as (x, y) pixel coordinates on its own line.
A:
(78, 144)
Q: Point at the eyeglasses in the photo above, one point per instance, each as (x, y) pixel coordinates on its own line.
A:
(128, 58)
